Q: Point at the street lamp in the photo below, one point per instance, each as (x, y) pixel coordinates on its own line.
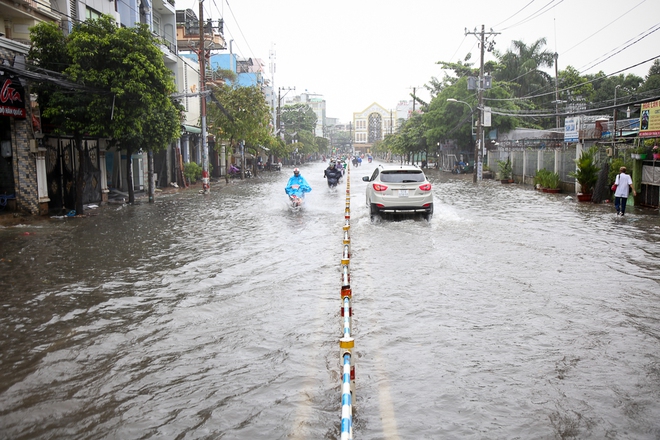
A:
(476, 144)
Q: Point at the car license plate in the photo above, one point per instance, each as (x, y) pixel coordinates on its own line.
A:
(403, 193)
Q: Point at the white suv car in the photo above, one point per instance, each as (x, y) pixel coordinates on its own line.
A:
(399, 189)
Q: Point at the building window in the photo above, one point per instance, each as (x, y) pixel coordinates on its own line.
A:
(91, 14)
(156, 24)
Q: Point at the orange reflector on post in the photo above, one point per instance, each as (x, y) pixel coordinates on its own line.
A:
(346, 291)
(346, 343)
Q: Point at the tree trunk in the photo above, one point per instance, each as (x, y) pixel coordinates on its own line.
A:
(80, 179)
(129, 175)
(150, 168)
(242, 159)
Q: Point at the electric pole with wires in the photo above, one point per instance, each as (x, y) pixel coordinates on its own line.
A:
(483, 83)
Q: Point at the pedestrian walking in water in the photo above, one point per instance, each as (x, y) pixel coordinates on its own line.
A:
(624, 185)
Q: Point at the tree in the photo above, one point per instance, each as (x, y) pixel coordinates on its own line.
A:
(298, 117)
(67, 110)
(605, 88)
(412, 137)
(132, 107)
(240, 114)
(651, 84)
(299, 121)
(521, 65)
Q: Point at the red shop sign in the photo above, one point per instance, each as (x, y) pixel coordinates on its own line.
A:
(12, 98)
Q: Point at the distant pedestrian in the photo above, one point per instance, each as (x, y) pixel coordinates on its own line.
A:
(624, 185)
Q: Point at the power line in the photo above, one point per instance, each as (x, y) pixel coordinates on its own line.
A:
(652, 95)
(536, 14)
(607, 25)
(239, 29)
(649, 32)
(519, 11)
(578, 85)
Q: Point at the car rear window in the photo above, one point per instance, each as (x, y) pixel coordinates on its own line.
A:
(401, 176)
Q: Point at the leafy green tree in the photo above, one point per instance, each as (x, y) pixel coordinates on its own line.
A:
(299, 121)
(67, 110)
(132, 107)
(322, 144)
(575, 87)
(652, 81)
(241, 114)
(522, 64)
(412, 137)
(298, 117)
(605, 88)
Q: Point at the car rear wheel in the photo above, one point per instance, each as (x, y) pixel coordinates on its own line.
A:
(428, 215)
(373, 210)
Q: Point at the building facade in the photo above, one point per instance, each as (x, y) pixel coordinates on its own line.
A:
(372, 125)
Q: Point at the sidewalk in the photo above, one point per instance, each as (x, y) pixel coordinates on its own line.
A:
(12, 218)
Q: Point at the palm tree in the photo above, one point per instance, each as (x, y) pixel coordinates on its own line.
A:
(520, 66)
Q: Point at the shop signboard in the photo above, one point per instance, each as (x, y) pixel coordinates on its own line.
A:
(572, 129)
(12, 97)
(649, 120)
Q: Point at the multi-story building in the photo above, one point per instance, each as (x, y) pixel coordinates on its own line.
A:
(317, 104)
(22, 156)
(32, 160)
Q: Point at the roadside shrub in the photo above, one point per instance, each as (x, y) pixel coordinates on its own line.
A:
(192, 172)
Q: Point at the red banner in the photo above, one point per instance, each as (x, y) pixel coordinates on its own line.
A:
(12, 98)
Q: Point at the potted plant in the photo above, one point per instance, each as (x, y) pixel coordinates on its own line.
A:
(552, 182)
(639, 152)
(541, 180)
(586, 173)
(505, 170)
(656, 152)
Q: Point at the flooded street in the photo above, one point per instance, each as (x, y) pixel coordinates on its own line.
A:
(511, 314)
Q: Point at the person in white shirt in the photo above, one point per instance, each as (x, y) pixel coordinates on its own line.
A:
(624, 185)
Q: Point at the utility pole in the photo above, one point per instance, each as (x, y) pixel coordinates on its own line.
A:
(614, 128)
(278, 129)
(206, 187)
(557, 91)
(414, 95)
(478, 146)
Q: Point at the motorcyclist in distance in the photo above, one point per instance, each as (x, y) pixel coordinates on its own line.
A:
(333, 174)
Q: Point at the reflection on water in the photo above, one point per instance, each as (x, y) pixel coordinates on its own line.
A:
(512, 313)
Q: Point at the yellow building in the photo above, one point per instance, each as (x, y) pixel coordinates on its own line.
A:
(372, 125)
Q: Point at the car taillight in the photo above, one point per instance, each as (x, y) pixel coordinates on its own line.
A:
(379, 187)
(425, 187)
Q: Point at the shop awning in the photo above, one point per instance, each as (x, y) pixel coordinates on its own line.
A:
(191, 129)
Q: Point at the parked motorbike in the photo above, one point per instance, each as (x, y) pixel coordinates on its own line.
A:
(460, 168)
(235, 172)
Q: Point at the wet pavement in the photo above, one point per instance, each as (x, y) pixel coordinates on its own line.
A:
(511, 314)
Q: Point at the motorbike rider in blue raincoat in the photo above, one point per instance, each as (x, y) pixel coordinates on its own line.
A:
(297, 186)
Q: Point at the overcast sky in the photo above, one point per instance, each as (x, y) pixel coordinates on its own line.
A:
(357, 52)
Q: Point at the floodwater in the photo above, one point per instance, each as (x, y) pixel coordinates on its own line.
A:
(512, 314)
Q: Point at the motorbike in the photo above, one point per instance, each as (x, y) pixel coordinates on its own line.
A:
(460, 168)
(235, 172)
(296, 196)
(332, 182)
